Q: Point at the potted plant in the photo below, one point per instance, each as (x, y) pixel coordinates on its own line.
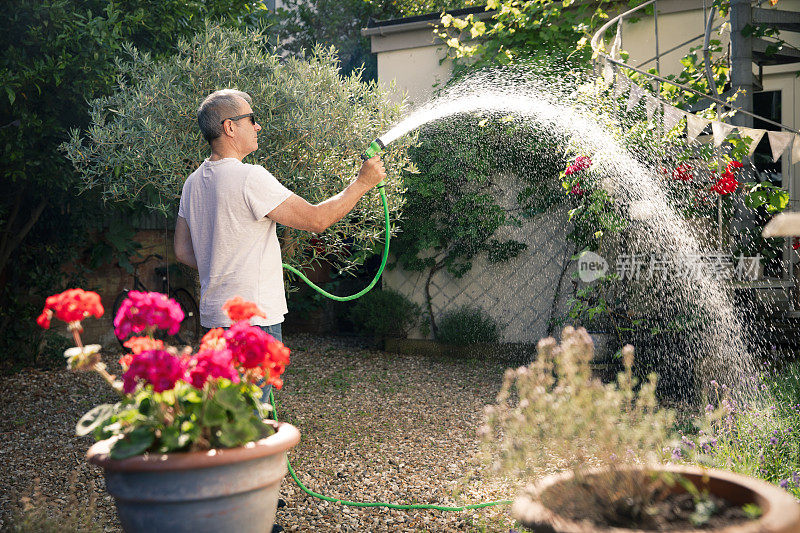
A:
(187, 447)
(610, 442)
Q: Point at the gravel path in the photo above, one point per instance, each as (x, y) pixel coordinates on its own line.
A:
(375, 426)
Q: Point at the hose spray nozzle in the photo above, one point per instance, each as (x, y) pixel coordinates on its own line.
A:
(374, 148)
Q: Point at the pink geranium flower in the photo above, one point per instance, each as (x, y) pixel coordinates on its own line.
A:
(141, 310)
(158, 368)
(247, 343)
(211, 364)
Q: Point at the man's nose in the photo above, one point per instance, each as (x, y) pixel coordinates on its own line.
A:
(258, 126)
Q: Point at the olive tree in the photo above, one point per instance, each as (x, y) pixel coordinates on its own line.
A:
(143, 140)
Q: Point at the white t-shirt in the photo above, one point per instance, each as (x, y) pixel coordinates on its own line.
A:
(225, 204)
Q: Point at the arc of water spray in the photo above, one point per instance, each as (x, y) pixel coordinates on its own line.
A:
(635, 187)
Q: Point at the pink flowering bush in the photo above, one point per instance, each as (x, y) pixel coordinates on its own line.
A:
(170, 399)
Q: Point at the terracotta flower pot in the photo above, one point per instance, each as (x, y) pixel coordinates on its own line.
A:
(232, 489)
(781, 512)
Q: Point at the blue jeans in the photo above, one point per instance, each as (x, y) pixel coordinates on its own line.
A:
(275, 331)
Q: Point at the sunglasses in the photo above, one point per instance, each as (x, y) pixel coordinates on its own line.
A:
(237, 117)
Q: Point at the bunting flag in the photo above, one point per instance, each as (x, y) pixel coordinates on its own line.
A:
(754, 134)
(650, 105)
(636, 94)
(672, 116)
(621, 85)
(720, 131)
(695, 126)
(616, 47)
(608, 73)
(779, 141)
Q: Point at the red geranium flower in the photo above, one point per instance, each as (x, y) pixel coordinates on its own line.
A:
(72, 305)
(733, 166)
(581, 163)
(138, 345)
(726, 184)
(142, 344)
(683, 172)
(238, 309)
(276, 362)
(213, 340)
(125, 360)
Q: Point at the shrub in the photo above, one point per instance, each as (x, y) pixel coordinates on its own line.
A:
(144, 140)
(555, 415)
(385, 313)
(468, 326)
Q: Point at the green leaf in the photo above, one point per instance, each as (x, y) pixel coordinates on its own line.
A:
(752, 510)
(229, 397)
(238, 432)
(11, 95)
(213, 414)
(146, 406)
(133, 443)
(778, 202)
(173, 439)
(94, 419)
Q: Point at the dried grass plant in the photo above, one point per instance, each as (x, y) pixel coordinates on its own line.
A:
(553, 415)
(38, 514)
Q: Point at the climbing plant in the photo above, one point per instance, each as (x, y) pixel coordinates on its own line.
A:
(303, 24)
(476, 175)
(518, 31)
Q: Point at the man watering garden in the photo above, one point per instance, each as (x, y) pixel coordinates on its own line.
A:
(229, 210)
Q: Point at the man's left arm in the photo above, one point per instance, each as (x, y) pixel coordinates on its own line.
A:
(184, 251)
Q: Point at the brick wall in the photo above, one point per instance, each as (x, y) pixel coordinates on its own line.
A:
(109, 280)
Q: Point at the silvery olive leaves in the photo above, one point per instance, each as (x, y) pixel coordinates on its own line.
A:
(144, 141)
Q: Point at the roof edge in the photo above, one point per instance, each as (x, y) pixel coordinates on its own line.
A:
(383, 27)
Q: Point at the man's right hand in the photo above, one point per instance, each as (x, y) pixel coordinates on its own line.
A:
(372, 172)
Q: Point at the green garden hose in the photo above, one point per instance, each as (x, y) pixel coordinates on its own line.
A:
(323, 292)
(377, 504)
(374, 148)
